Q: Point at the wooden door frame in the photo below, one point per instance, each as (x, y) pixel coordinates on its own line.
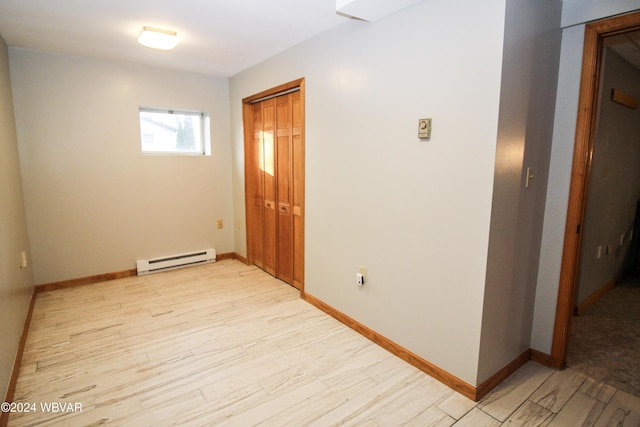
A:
(582, 157)
(246, 110)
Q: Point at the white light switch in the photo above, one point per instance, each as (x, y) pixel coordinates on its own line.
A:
(530, 176)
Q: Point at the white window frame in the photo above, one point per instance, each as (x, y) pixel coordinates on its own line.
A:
(204, 133)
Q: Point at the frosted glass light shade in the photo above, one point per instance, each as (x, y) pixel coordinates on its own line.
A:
(157, 38)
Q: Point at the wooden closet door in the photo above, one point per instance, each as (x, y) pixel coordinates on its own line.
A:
(297, 161)
(284, 177)
(274, 162)
(255, 185)
(269, 176)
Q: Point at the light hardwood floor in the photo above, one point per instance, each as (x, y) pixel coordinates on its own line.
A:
(227, 344)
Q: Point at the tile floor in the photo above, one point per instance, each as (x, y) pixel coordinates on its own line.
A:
(237, 347)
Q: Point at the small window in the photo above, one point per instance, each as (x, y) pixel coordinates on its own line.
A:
(174, 132)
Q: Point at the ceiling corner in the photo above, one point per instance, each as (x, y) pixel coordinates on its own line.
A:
(372, 10)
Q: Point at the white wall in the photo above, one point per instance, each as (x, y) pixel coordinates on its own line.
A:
(415, 213)
(561, 160)
(529, 78)
(16, 284)
(582, 11)
(94, 203)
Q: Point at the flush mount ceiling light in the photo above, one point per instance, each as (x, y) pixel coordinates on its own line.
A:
(157, 38)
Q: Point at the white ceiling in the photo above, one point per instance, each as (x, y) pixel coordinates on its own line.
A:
(217, 37)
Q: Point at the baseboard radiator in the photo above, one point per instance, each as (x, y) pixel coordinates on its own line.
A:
(172, 262)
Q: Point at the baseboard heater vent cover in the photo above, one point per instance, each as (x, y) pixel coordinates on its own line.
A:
(172, 262)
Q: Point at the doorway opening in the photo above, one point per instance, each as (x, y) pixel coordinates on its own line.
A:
(595, 35)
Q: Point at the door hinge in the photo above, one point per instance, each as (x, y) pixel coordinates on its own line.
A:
(578, 229)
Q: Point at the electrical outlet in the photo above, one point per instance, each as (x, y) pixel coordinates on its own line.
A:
(361, 275)
(220, 224)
